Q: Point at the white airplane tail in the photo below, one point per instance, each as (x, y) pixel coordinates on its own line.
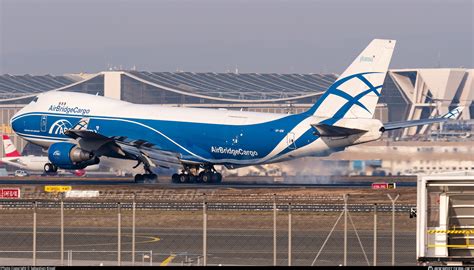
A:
(10, 149)
(356, 92)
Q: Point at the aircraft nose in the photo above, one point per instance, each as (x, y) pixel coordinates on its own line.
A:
(17, 124)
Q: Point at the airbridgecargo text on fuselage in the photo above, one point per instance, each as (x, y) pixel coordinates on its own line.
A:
(68, 110)
(233, 152)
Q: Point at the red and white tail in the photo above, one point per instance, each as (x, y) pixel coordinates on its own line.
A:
(10, 149)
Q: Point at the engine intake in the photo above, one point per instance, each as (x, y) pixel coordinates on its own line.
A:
(70, 156)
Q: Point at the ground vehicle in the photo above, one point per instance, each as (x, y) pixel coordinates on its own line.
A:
(21, 173)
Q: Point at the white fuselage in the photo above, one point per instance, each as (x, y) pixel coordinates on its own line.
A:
(199, 135)
(30, 163)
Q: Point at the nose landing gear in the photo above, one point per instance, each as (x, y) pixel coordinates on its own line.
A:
(50, 168)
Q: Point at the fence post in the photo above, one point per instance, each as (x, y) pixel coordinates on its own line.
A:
(133, 228)
(289, 234)
(204, 231)
(375, 235)
(393, 225)
(345, 229)
(274, 231)
(119, 234)
(34, 233)
(62, 228)
(151, 257)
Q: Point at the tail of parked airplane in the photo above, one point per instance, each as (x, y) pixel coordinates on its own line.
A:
(356, 92)
(9, 147)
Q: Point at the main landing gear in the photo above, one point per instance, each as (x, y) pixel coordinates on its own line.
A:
(190, 175)
(148, 177)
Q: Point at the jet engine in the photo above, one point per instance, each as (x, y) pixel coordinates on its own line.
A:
(70, 156)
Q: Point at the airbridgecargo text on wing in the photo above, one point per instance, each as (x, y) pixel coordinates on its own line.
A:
(62, 107)
(233, 152)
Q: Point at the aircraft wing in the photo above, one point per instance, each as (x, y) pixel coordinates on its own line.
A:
(453, 114)
(122, 147)
(149, 153)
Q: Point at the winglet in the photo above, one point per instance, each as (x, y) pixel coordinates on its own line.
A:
(454, 114)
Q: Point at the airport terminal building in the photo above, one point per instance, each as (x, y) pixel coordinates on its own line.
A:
(408, 94)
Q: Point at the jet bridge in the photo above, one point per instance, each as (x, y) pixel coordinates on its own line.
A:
(445, 218)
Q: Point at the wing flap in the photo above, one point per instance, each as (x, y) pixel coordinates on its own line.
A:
(156, 155)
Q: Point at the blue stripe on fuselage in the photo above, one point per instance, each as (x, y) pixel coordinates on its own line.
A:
(197, 138)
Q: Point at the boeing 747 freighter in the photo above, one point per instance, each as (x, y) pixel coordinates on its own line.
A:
(78, 129)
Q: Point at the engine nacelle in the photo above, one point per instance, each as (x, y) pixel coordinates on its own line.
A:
(70, 156)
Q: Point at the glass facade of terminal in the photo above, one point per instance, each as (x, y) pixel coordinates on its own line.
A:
(94, 86)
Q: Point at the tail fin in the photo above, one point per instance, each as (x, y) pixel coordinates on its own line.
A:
(356, 92)
(10, 149)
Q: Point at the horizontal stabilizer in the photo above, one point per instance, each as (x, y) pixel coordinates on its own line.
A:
(324, 130)
(453, 114)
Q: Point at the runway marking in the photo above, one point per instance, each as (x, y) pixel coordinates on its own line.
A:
(168, 260)
(151, 239)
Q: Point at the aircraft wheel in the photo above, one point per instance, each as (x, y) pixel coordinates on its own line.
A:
(192, 178)
(183, 178)
(139, 178)
(199, 177)
(217, 178)
(151, 178)
(207, 177)
(175, 178)
(48, 167)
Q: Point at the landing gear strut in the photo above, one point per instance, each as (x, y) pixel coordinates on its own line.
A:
(190, 175)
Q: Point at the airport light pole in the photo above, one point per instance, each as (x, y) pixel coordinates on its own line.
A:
(393, 225)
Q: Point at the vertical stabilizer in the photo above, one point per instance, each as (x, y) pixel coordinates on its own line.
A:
(9, 147)
(356, 92)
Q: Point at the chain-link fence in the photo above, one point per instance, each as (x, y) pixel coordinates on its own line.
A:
(199, 229)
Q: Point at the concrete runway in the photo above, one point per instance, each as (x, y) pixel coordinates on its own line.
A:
(92, 246)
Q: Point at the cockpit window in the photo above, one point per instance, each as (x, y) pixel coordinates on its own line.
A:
(34, 100)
